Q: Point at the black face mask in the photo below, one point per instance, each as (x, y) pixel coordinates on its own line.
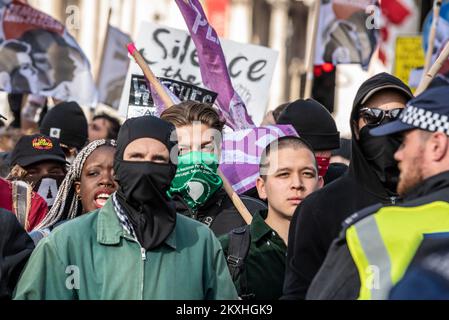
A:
(142, 192)
(379, 151)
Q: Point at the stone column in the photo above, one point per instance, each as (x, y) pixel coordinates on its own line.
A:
(240, 20)
(86, 36)
(278, 38)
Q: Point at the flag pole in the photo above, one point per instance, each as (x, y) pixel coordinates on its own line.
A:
(311, 50)
(431, 44)
(238, 203)
(428, 76)
(103, 48)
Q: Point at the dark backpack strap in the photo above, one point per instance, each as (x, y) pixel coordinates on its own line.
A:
(239, 243)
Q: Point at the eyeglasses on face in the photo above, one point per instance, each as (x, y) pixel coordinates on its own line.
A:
(374, 116)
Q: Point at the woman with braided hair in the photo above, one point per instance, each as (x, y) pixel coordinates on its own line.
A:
(87, 186)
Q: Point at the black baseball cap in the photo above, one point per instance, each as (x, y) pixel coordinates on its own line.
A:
(36, 148)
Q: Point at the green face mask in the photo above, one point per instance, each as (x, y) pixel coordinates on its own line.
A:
(196, 178)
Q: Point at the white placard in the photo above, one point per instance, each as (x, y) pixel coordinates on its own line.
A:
(171, 54)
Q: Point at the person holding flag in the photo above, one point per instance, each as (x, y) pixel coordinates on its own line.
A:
(197, 188)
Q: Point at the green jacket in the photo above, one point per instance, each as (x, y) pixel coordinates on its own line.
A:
(264, 266)
(91, 258)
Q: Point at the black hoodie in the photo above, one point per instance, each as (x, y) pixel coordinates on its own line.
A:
(318, 220)
(15, 249)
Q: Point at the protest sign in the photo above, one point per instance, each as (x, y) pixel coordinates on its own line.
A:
(346, 33)
(114, 66)
(39, 56)
(409, 56)
(142, 102)
(171, 54)
(186, 91)
(140, 99)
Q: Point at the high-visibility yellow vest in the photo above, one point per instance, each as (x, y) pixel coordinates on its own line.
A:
(383, 244)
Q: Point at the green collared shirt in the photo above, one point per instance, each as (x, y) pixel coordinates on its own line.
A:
(265, 263)
(91, 257)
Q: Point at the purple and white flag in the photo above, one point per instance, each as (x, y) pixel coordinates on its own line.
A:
(214, 71)
(241, 152)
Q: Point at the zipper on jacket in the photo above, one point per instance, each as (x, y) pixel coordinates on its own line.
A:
(143, 255)
(143, 278)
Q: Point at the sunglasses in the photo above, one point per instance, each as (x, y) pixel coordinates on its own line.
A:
(374, 116)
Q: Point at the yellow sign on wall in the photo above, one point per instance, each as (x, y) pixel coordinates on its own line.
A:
(409, 55)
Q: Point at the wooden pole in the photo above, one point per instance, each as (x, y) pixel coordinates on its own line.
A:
(433, 29)
(311, 50)
(428, 76)
(295, 70)
(238, 203)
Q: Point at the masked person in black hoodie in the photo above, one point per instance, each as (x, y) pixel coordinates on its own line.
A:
(372, 178)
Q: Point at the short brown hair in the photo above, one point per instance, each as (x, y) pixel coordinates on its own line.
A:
(282, 143)
(187, 112)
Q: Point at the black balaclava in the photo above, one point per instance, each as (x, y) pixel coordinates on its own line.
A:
(379, 152)
(372, 158)
(143, 185)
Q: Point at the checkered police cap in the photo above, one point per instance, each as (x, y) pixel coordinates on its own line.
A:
(429, 111)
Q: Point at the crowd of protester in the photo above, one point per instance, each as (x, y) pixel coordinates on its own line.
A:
(99, 209)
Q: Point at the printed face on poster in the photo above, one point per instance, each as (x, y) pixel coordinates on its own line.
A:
(39, 56)
(171, 54)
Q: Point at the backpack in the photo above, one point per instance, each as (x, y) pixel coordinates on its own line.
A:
(239, 243)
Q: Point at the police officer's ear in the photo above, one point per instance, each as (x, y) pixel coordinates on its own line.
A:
(438, 144)
(260, 185)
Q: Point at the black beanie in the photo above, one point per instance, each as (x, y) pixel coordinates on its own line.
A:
(313, 122)
(66, 121)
